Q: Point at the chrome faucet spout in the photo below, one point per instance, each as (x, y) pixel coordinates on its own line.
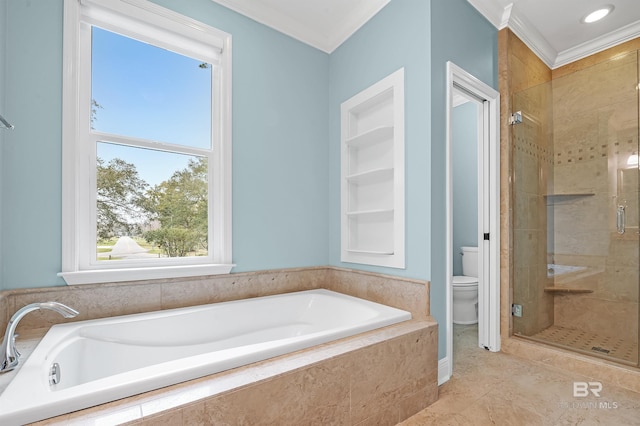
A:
(9, 355)
(63, 310)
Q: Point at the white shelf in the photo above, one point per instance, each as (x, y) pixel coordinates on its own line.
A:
(371, 176)
(373, 136)
(372, 184)
(380, 212)
(384, 253)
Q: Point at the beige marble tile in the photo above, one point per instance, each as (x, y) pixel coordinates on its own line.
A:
(573, 363)
(380, 288)
(95, 301)
(318, 394)
(609, 347)
(603, 56)
(104, 300)
(497, 388)
(619, 284)
(413, 404)
(624, 252)
(195, 414)
(384, 376)
(382, 417)
(525, 68)
(239, 286)
(583, 312)
(600, 85)
(5, 309)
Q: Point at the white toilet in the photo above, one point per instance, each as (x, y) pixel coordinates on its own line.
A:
(465, 289)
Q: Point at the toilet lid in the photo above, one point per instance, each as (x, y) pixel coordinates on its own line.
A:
(464, 281)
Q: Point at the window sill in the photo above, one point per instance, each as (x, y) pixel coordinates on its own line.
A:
(137, 274)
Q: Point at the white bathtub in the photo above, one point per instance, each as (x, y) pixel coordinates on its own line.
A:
(107, 359)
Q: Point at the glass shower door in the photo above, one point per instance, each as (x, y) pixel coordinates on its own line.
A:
(576, 248)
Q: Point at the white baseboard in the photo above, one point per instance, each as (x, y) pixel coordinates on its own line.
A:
(443, 371)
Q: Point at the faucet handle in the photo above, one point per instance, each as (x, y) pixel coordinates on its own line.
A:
(13, 345)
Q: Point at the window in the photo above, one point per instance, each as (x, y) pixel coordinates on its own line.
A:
(146, 144)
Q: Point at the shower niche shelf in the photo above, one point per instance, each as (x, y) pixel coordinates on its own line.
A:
(565, 290)
(372, 174)
(563, 198)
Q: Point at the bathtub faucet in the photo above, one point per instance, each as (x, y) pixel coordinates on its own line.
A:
(9, 355)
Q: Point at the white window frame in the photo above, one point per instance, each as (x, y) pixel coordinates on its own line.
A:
(164, 28)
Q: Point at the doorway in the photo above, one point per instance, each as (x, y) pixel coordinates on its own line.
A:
(463, 88)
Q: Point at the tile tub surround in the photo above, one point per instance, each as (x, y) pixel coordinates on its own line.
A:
(112, 299)
(380, 377)
(416, 392)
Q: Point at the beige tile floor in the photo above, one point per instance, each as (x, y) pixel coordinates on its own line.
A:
(499, 389)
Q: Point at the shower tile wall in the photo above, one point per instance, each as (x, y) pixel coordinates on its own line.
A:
(532, 157)
(520, 69)
(595, 128)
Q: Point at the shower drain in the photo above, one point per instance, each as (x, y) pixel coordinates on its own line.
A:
(599, 349)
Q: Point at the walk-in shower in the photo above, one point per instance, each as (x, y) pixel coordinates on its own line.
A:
(575, 211)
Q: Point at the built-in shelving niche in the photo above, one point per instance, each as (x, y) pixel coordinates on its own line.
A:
(372, 205)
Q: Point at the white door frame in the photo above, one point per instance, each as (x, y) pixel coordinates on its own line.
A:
(488, 211)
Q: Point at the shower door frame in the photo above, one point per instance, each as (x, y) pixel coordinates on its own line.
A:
(571, 341)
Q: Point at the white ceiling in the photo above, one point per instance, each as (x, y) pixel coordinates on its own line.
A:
(323, 24)
(551, 28)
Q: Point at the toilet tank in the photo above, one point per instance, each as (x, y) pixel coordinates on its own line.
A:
(470, 261)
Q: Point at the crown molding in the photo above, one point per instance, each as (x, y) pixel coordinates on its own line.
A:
(353, 22)
(507, 16)
(626, 33)
(493, 11)
(262, 14)
(328, 39)
(532, 38)
(325, 39)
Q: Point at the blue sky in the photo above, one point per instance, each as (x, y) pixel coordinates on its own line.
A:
(151, 93)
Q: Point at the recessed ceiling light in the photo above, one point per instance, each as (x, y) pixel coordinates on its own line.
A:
(597, 15)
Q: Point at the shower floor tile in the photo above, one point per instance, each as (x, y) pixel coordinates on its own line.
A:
(596, 344)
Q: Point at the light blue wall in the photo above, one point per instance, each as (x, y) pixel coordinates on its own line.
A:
(460, 34)
(286, 134)
(421, 36)
(280, 156)
(31, 154)
(465, 180)
(398, 36)
(3, 38)
(280, 115)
